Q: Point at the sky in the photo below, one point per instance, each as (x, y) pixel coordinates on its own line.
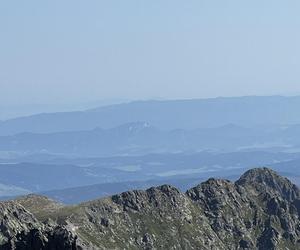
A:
(71, 54)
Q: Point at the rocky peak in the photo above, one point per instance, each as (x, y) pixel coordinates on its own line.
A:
(266, 181)
(15, 218)
(259, 211)
(152, 197)
(19, 229)
(210, 188)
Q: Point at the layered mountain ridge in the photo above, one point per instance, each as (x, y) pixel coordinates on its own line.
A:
(169, 114)
(259, 211)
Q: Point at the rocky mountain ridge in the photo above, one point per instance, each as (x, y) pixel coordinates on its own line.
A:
(259, 211)
(21, 230)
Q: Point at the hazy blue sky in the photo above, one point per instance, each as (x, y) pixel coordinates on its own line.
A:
(64, 53)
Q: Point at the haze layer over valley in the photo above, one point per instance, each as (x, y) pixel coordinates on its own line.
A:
(76, 156)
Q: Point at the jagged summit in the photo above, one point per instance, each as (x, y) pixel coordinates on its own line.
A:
(19, 229)
(261, 175)
(140, 199)
(259, 211)
(265, 180)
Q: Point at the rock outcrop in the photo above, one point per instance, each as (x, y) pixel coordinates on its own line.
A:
(20, 230)
(259, 211)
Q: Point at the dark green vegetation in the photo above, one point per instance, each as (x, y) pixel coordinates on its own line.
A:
(259, 211)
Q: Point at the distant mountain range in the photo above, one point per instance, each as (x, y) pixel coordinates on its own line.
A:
(176, 114)
(142, 138)
(134, 144)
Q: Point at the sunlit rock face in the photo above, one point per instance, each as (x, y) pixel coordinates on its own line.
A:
(259, 211)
